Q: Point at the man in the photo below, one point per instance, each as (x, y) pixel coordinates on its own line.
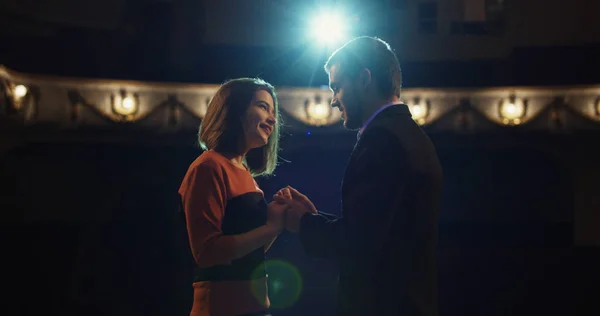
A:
(386, 240)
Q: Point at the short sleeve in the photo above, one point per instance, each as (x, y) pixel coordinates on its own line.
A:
(204, 197)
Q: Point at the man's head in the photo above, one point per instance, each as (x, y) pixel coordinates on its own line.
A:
(363, 73)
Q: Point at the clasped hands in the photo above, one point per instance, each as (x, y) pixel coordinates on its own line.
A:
(287, 209)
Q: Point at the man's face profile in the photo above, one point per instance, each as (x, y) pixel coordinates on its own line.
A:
(346, 97)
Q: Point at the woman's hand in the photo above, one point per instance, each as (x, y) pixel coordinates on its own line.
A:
(276, 215)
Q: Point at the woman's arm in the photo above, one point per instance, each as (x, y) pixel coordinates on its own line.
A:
(204, 199)
(227, 248)
(270, 243)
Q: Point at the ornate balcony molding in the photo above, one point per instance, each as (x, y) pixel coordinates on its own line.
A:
(66, 103)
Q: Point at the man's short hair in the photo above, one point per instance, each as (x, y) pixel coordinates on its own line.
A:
(371, 53)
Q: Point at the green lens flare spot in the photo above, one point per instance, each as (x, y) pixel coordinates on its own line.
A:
(284, 284)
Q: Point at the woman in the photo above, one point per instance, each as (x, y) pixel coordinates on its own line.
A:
(229, 224)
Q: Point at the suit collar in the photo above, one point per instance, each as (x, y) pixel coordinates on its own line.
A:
(399, 108)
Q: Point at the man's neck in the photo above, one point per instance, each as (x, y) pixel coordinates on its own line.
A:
(370, 110)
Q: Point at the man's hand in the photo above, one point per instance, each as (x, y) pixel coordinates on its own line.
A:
(298, 204)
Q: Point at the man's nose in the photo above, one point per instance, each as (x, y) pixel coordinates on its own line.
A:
(335, 103)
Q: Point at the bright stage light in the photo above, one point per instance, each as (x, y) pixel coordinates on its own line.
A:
(328, 28)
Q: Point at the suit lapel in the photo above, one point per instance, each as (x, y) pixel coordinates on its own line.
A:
(349, 167)
(360, 143)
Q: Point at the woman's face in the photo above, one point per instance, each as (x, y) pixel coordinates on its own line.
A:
(259, 121)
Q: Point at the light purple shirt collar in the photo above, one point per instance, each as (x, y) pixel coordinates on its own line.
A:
(374, 115)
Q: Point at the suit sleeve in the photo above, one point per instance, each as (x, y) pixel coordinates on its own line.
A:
(204, 198)
(369, 203)
(321, 235)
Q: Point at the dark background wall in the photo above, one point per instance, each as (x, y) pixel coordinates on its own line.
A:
(92, 228)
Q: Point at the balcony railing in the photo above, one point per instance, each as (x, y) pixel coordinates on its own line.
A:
(57, 103)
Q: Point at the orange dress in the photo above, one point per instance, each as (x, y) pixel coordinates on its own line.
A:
(222, 199)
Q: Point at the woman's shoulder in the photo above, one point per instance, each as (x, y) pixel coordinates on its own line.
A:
(209, 161)
(206, 168)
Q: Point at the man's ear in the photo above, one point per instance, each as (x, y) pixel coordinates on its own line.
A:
(364, 78)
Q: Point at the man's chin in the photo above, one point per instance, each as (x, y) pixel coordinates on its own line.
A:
(349, 125)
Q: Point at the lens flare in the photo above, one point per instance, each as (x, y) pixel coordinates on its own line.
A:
(285, 283)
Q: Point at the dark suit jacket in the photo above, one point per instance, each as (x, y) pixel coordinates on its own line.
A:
(385, 242)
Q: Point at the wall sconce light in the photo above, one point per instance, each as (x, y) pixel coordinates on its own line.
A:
(17, 95)
(597, 107)
(317, 111)
(19, 99)
(20, 91)
(125, 106)
(512, 112)
(420, 110)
